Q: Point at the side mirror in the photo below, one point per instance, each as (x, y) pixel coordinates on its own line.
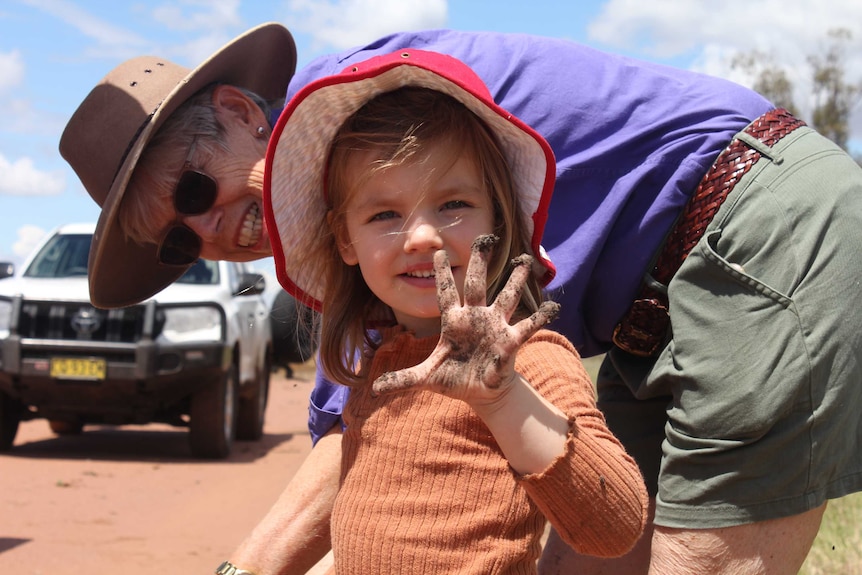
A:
(251, 284)
(7, 270)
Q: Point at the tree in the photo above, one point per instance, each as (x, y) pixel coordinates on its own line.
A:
(833, 97)
(769, 79)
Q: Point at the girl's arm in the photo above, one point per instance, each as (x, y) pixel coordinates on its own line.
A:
(593, 492)
(529, 429)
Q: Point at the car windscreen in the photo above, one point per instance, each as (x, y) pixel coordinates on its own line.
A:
(202, 272)
(65, 255)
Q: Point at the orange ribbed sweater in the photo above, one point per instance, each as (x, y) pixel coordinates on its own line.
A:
(426, 490)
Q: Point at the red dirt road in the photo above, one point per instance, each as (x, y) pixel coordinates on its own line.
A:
(131, 500)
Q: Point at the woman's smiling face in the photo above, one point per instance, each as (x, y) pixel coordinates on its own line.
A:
(226, 145)
(233, 228)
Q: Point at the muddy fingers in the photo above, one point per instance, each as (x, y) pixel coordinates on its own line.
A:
(477, 269)
(447, 291)
(546, 313)
(475, 357)
(509, 297)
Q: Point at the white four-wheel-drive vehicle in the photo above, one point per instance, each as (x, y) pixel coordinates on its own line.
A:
(197, 354)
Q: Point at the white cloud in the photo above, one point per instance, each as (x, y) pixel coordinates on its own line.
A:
(21, 178)
(343, 23)
(19, 117)
(666, 28)
(198, 14)
(215, 20)
(786, 31)
(200, 48)
(28, 238)
(102, 31)
(11, 70)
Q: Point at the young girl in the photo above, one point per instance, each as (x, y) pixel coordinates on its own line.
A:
(399, 199)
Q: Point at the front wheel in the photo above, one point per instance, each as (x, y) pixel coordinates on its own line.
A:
(61, 427)
(252, 409)
(10, 417)
(213, 417)
(293, 338)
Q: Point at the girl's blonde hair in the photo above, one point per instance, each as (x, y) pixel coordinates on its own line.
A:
(400, 125)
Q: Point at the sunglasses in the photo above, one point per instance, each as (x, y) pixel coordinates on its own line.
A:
(194, 194)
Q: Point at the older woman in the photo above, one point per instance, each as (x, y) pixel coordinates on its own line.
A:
(175, 159)
(680, 199)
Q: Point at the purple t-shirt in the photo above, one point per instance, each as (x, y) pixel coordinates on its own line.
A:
(632, 139)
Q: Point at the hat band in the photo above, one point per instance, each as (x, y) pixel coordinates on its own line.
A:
(132, 141)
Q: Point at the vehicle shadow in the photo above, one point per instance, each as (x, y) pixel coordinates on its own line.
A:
(120, 443)
(7, 543)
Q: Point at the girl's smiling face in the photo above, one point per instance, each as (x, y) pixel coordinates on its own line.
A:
(396, 218)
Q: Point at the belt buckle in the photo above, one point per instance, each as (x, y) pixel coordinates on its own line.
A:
(642, 331)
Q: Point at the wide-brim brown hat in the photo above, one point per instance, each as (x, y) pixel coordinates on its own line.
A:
(293, 191)
(107, 134)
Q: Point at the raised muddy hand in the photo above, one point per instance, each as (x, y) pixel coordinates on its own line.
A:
(475, 357)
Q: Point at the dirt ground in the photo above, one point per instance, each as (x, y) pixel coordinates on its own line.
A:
(132, 500)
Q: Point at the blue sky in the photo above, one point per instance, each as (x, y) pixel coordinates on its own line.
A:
(52, 52)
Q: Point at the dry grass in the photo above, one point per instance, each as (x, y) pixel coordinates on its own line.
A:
(838, 546)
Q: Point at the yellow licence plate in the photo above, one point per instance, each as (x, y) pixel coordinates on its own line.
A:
(78, 368)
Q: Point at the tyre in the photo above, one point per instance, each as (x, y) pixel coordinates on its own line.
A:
(292, 339)
(252, 409)
(10, 417)
(61, 427)
(212, 425)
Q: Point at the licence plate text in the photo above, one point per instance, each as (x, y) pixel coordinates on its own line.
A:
(78, 368)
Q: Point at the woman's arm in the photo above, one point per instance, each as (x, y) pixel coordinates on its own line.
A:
(294, 534)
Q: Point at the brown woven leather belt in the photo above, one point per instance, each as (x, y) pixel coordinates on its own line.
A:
(643, 329)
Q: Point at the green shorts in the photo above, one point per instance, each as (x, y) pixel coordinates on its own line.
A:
(753, 410)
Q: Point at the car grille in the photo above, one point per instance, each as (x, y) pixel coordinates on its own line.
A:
(77, 321)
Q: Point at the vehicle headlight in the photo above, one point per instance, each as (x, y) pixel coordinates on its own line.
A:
(5, 317)
(183, 324)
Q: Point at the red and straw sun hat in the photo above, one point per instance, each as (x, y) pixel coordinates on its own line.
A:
(294, 204)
